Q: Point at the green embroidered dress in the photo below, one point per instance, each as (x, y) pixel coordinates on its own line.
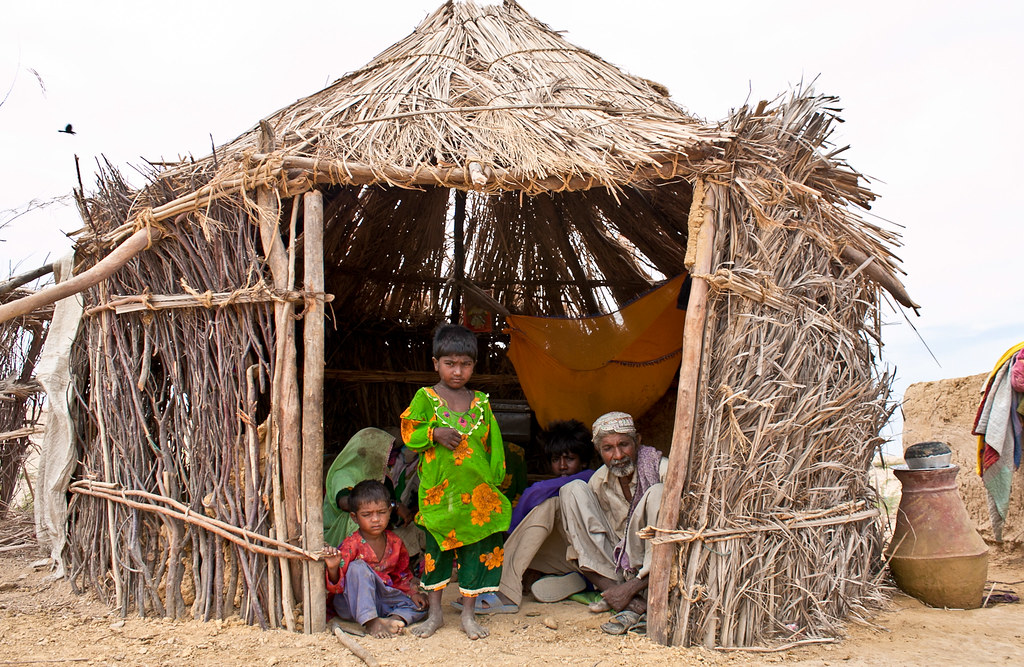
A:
(459, 498)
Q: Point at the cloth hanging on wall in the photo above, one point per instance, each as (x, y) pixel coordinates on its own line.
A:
(998, 427)
(57, 455)
(583, 368)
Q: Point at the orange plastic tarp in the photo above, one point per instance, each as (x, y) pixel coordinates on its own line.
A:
(583, 368)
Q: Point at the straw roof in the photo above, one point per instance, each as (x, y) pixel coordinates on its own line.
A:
(490, 100)
(489, 85)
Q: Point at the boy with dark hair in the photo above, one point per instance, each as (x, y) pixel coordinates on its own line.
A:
(567, 448)
(369, 573)
(462, 464)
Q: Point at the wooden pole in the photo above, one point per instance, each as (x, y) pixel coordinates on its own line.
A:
(27, 277)
(283, 449)
(357, 649)
(284, 391)
(103, 269)
(313, 407)
(682, 432)
(108, 466)
(460, 253)
(874, 270)
(668, 167)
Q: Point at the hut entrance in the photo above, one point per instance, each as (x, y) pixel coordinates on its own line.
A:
(532, 276)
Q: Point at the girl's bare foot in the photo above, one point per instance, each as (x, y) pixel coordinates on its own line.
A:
(428, 627)
(470, 626)
(382, 628)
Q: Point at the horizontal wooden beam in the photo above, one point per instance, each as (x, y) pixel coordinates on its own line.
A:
(410, 377)
(20, 433)
(136, 302)
(486, 178)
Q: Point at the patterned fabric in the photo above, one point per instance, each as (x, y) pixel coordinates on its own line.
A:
(1017, 373)
(392, 567)
(613, 422)
(460, 500)
(479, 565)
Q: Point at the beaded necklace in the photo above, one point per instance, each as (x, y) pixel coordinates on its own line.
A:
(456, 420)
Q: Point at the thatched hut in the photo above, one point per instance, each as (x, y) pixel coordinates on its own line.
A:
(482, 159)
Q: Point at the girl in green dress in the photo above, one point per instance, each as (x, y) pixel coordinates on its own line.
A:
(462, 465)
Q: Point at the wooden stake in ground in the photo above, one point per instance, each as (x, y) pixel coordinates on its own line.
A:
(313, 408)
(682, 432)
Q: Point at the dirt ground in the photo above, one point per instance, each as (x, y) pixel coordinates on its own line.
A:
(43, 622)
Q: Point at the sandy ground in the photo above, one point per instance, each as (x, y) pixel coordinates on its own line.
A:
(43, 622)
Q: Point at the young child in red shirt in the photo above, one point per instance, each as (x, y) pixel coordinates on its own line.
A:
(369, 572)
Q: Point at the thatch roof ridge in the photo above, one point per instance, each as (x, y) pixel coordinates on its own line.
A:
(490, 85)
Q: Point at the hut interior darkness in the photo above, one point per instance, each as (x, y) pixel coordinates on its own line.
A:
(245, 313)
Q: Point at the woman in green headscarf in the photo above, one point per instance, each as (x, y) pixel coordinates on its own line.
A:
(365, 456)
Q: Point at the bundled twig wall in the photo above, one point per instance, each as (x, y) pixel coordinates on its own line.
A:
(21, 398)
(171, 403)
(790, 407)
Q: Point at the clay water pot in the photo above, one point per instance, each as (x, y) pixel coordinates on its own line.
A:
(936, 555)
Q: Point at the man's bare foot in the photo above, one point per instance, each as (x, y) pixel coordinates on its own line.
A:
(623, 594)
(382, 628)
(429, 626)
(637, 604)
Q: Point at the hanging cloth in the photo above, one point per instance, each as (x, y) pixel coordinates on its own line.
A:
(583, 368)
(997, 426)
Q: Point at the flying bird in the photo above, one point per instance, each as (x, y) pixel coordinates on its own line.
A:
(67, 129)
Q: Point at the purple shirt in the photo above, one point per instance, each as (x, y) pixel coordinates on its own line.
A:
(538, 492)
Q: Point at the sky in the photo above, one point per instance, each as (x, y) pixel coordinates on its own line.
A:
(930, 93)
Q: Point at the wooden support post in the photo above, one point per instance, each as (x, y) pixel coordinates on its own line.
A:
(460, 254)
(102, 354)
(283, 398)
(682, 432)
(315, 608)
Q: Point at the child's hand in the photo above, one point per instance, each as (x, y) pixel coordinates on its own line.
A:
(332, 557)
(405, 515)
(448, 437)
(420, 600)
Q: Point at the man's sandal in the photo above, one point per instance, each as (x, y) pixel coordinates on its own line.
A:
(623, 622)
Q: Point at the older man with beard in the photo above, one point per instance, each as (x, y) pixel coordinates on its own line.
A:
(601, 517)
